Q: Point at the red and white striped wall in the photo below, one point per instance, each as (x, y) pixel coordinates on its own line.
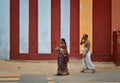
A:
(31, 29)
(36, 27)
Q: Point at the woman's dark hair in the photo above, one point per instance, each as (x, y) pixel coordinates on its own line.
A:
(64, 41)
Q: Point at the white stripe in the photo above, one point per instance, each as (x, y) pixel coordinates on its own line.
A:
(65, 21)
(44, 25)
(4, 29)
(24, 27)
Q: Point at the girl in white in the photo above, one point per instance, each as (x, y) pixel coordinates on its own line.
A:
(86, 60)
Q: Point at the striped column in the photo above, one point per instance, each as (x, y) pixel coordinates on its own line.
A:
(86, 20)
(74, 28)
(65, 21)
(14, 28)
(44, 26)
(24, 26)
(4, 29)
(33, 26)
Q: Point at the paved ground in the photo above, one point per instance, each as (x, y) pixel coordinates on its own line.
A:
(43, 72)
(98, 77)
(102, 77)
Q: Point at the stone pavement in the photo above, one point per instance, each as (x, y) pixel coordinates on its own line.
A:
(9, 78)
(98, 77)
(43, 72)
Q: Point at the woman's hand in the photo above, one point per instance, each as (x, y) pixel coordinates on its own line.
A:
(57, 48)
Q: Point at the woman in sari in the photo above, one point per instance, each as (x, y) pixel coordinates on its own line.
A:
(63, 58)
(86, 60)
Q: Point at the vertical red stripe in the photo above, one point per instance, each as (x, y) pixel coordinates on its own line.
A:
(33, 26)
(14, 28)
(55, 23)
(74, 28)
(102, 29)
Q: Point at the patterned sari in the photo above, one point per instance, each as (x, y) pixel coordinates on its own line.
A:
(63, 59)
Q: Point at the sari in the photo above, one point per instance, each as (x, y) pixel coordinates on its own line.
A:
(63, 59)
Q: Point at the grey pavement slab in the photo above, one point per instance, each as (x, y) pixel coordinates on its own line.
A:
(33, 78)
(89, 77)
(98, 77)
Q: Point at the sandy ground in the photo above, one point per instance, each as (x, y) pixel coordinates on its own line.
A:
(48, 67)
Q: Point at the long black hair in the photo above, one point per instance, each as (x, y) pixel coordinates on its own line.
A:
(64, 41)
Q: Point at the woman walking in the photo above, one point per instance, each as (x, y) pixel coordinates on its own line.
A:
(86, 60)
(63, 58)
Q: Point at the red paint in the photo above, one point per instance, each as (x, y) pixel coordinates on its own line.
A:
(74, 28)
(116, 47)
(118, 43)
(116, 14)
(14, 28)
(34, 57)
(114, 56)
(116, 31)
(33, 32)
(55, 25)
(102, 29)
(33, 26)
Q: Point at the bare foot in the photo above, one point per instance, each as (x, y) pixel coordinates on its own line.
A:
(93, 71)
(82, 71)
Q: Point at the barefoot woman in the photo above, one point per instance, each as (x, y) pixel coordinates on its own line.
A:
(63, 58)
